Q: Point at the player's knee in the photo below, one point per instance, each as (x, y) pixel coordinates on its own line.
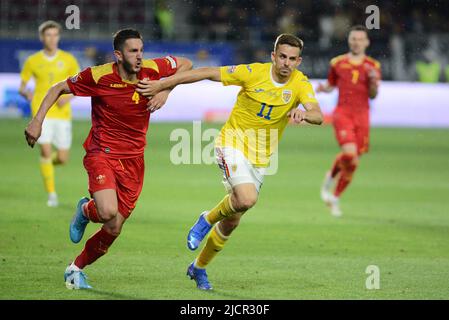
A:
(63, 159)
(349, 159)
(245, 202)
(108, 212)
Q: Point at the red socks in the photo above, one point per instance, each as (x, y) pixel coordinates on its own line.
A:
(90, 211)
(347, 165)
(95, 247)
(336, 167)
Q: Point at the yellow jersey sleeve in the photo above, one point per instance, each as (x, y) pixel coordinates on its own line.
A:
(27, 71)
(239, 75)
(306, 94)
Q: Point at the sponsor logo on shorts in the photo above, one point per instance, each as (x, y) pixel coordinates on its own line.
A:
(101, 179)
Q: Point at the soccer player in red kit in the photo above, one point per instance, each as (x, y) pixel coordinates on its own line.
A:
(115, 145)
(357, 78)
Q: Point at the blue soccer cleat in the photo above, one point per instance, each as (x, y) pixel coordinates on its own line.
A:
(200, 277)
(79, 222)
(75, 278)
(197, 233)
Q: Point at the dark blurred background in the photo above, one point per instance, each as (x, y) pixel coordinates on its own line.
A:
(412, 42)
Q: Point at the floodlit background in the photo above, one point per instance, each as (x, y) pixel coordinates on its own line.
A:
(396, 211)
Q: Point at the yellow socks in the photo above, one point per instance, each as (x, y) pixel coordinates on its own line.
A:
(48, 174)
(215, 242)
(222, 210)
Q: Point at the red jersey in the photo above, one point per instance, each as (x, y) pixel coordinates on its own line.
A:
(352, 82)
(119, 116)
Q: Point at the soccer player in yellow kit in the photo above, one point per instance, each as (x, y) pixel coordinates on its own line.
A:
(269, 97)
(49, 66)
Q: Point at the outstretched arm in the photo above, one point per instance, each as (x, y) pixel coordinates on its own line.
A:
(373, 83)
(324, 87)
(34, 128)
(24, 92)
(158, 100)
(150, 88)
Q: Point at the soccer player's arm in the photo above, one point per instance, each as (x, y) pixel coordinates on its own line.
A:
(34, 128)
(167, 66)
(312, 113)
(150, 88)
(81, 84)
(228, 75)
(331, 81)
(374, 77)
(72, 70)
(25, 76)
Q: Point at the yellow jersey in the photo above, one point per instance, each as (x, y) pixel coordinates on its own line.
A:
(47, 71)
(259, 115)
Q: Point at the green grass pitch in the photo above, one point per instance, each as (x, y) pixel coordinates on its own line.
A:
(396, 216)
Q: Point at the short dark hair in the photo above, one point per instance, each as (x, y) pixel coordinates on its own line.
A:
(49, 24)
(359, 27)
(124, 34)
(291, 40)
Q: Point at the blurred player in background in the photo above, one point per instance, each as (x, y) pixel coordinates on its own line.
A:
(357, 78)
(114, 158)
(269, 97)
(49, 66)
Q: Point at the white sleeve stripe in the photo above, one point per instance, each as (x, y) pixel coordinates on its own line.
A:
(172, 61)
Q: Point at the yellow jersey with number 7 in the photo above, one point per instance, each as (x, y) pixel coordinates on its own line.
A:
(46, 72)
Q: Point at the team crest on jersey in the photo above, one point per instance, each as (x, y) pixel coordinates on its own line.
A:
(286, 95)
(234, 168)
(231, 69)
(60, 64)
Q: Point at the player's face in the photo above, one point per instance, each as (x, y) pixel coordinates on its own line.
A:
(285, 59)
(50, 38)
(358, 42)
(131, 55)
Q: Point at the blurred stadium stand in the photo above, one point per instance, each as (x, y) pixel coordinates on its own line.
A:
(410, 31)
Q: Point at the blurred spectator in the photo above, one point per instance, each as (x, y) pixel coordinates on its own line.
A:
(428, 68)
(342, 23)
(446, 73)
(287, 22)
(164, 21)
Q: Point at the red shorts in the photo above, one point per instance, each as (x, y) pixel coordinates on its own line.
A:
(125, 176)
(351, 128)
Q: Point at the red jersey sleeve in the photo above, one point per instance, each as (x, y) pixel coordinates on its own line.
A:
(332, 75)
(83, 84)
(167, 66)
